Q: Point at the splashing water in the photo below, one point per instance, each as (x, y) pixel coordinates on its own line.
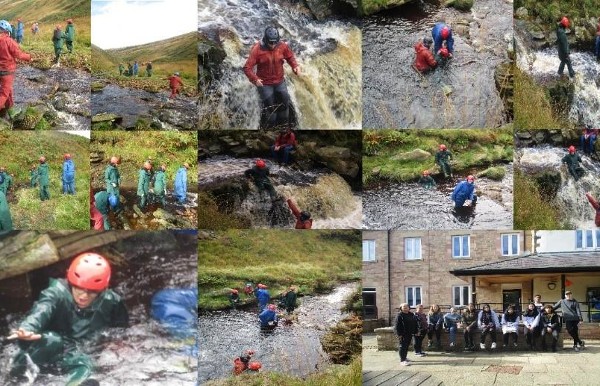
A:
(328, 93)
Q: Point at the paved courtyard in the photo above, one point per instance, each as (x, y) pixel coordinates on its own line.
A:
(564, 367)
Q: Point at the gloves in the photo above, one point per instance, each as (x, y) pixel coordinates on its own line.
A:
(114, 185)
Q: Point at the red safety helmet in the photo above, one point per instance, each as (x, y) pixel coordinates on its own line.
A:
(254, 366)
(272, 307)
(147, 165)
(260, 285)
(114, 160)
(42, 159)
(425, 172)
(67, 156)
(445, 32)
(470, 178)
(89, 271)
(442, 147)
(444, 52)
(234, 291)
(260, 163)
(571, 149)
(565, 22)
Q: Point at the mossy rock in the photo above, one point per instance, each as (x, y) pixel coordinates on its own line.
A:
(28, 119)
(494, 173)
(97, 86)
(461, 5)
(106, 117)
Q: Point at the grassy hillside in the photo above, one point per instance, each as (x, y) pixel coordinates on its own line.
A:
(45, 11)
(171, 147)
(313, 261)
(60, 212)
(551, 10)
(470, 149)
(177, 54)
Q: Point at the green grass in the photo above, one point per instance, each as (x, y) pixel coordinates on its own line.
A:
(171, 147)
(60, 212)
(551, 10)
(213, 219)
(178, 54)
(334, 376)
(531, 211)
(533, 109)
(470, 148)
(314, 261)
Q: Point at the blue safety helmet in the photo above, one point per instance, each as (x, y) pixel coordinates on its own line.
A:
(113, 200)
(5, 26)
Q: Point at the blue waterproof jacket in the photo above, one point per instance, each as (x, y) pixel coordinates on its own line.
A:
(267, 316)
(176, 310)
(436, 33)
(181, 183)
(263, 297)
(68, 171)
(463, 191)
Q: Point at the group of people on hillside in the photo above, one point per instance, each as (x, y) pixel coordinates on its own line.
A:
(463, 191)
(443, 49)
(108, 200)
(133, 69)
(538, 322)
(59, 37)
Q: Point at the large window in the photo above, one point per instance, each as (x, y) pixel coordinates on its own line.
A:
(412, 248)
(461, 295)
(586, 239)
(510, 244)
(369, 250)
(369, 296)
(461, 246)
(413, 296)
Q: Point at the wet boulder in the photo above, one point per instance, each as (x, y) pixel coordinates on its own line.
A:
(370, 7)
(106, 117)
(413, 155)
(210, 57)
(97, 86)
(461, 5)
(496, 173)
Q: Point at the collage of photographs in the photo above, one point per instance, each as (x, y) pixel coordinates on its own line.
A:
(299, 192)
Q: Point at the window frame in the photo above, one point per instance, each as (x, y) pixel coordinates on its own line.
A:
(372, 258)
(465, 301)
(413, 289)
(510, 237)
(462, 256)
(406, 243)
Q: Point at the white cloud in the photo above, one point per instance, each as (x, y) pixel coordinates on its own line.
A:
(120, 23)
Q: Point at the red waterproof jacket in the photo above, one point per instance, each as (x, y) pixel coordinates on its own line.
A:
(424, 60)
(306, 224)
(286, 139)
(175, 82)
(9, 53)
(269, 63)
(596, 206)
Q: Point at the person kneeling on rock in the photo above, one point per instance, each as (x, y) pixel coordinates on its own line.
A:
(465, 190)
(424, 61)
(572, 160)
(242, 363)
(268, 317)
(259, 173)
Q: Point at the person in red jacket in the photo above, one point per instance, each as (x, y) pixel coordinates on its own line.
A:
(176, 85)
(424, 60)
(303, 220)
(9, 54)
(268, 56)
(596, 206)
(284, 144)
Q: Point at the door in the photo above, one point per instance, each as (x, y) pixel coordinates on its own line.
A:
(512, 296)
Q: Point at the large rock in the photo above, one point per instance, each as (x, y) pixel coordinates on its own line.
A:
(413, 155)
(521, 13)
(370, 7)
(329, 153)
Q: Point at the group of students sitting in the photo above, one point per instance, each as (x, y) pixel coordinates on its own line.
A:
(537, 321)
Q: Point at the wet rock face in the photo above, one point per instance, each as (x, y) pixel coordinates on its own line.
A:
(539, 137)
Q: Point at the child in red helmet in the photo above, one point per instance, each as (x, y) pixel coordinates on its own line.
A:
(67, 312)
(259, 173)
(426, 181)
(234, 297)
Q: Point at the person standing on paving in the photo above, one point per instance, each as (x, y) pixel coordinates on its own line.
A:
(571, 313)
(405, 326)
(421, 330)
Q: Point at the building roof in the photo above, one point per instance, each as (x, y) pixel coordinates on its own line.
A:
(562, 262)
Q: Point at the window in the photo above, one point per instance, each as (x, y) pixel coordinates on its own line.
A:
(461, 295)
(369, 250)
(460, 246)
(412, 248)
(510, 244)
(413, 296)
(369, 296)
(587, 238)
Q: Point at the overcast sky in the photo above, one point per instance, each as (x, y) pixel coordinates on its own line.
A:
(121, 23)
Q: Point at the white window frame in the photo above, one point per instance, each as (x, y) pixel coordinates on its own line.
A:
(371, 254)
(582, 241)
(462, 255)
(465, 302)
(511, 244)
(412, 241)
(413, 289)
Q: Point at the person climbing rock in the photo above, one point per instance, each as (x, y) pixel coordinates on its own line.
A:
(57, 40)
(442, 158)
(143, 187)
(464, 190)
(268, 55)
(66, 313)
(5, 217)
(175, 84)
(68, 175)
(159, 189)
(104, 202)
(20, 31)
(284, 144)
(563, 47)
(112, 176)
(180, 184)
(42, 172)
(572, 160)
(440, 33)
(69, 35)
(149, 69)
(596, 207)
(259, 173)
(9, 54)
(424, 60)
(268, 317)
(426, 181)
(303, 220)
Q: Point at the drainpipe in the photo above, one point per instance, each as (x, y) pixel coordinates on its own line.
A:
(389, 278)
(562, 286)
(473, 290)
